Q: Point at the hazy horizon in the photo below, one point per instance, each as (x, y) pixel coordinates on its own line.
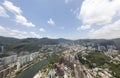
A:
(60, 38)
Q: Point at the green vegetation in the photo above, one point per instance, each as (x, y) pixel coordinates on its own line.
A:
(3, 55)
(94, 59)
(28, 44)
(97, 59)
(115, 69)
(50, 63)
(5, 66)
(31, 71)
(73, 74)
(34, 44)
(26, 47)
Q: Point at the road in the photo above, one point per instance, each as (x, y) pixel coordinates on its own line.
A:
(80, 70)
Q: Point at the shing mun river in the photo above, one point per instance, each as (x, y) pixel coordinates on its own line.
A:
(30, 72)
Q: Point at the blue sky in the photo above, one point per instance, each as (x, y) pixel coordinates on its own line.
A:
(71, 19)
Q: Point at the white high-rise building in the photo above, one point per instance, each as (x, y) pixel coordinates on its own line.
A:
(2, 49)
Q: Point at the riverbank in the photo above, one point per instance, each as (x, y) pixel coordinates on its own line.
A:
(31, 71)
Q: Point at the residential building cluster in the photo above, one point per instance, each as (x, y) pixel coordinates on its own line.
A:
(9, 60)
(51, 48)
(103, 73)
(18, 60)
(110, 48)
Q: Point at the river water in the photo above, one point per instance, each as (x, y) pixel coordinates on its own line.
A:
(30, 72)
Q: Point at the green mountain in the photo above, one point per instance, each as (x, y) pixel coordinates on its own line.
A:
(28, 44)
(117, 42)
(34, 44)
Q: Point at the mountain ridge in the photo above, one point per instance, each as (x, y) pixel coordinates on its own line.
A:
(33, 44)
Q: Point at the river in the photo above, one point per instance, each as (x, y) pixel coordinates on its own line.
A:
(30, 72)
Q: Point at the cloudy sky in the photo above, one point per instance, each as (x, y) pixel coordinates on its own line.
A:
(71, 19)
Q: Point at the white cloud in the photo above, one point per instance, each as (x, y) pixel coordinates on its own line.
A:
(99, 12)
(35, 35)
(79, 28)
(17, 33)
(67, 1)
(18, 14)
(51, 37)
(2, 28)
(108, 31)
(51, 22)
(3, 12)
(12, 8)
(76, 12)
(42, 30)
(22, 20)
(84, 27)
